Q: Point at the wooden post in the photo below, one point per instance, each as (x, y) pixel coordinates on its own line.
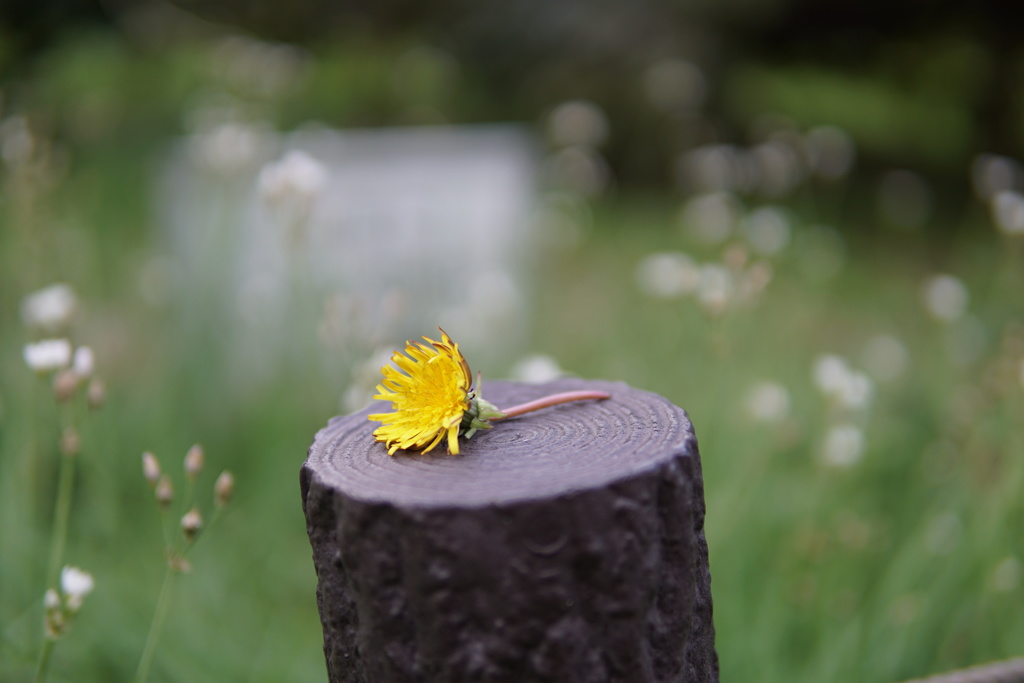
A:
(564, 545)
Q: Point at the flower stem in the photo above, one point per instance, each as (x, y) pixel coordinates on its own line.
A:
(162, 605)
(553, 400)
(44, 660)
(61, 514)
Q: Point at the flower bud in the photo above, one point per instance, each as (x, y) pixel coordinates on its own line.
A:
(194, 462)
(191, 524)
(150, 468)
(224, 488)
(96, 393)
(180, 564)
(164, 491)
(70, 442)
(65, 384)
(51, 600)
(53, 622)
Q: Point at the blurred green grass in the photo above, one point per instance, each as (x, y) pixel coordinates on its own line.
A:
(878, 571)
(821, 574)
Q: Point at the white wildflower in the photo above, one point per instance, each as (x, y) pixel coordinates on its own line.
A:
(54, 618)
(778, 167)
(295, 178)
(537, 369)
(835, 378)
(228, 147)
(17, 144)
(668, 275)
(579, 170)
(856, 391)
(715, 168)
(715, 287)
(767, 230)
(1008, 212)
(710, 218)
(84, 362)
(49, 309)
(830, 373)
(885, 357)
(768, 402)
(945, 297)
(48, 355)
(992, 174)
(75, 584)
(577, 122)
(843, 446)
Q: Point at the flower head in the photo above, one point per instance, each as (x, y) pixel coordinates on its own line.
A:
(430, 391)
(49, 309)
(48, 355)
(433, 398)
(296, 178)
(768, 402)
(75, 584)
(946, 297)
(83, 362)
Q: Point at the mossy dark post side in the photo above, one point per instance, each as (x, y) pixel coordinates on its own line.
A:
(566, 545)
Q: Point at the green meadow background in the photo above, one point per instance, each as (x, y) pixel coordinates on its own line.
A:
(864, 525)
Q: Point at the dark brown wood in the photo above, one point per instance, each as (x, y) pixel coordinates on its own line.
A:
(564, 545)
(1006, 671)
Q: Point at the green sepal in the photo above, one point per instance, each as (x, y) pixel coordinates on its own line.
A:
(479, 415)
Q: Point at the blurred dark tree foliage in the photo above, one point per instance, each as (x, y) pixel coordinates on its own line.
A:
(26, 27)
(849, 33)
(531, 54)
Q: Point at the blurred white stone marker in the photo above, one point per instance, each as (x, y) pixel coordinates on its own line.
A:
(422, 216)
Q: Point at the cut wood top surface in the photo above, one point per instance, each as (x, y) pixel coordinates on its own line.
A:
(570, 447)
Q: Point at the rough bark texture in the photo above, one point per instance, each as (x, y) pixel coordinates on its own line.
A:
(564, 545)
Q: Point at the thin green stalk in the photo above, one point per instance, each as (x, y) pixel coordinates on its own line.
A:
(44, 659)
(163, 603)
(190, 493)
(61, 515)
(31, 461)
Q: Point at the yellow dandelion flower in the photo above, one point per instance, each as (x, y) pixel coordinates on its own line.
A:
(430, 393)
(432, 396)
